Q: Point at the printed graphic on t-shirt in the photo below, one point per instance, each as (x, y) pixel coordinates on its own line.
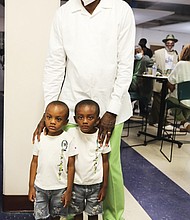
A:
(64, 146)
(97, 152)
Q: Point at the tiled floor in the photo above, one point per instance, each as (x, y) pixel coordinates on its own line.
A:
(160, 187)
(154, 188)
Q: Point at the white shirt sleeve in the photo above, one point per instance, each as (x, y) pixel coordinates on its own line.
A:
(125, 56)
(36, 148)
(55, 62)
(172, 78)
(106, 149)
(73, 150)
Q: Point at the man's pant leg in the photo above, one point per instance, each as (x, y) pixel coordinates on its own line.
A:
(114, 202)
(155, 110)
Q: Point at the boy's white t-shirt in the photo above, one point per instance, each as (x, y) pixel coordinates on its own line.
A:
(53, 153)
(88, 162)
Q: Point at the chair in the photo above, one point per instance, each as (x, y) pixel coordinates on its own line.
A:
(183, 94)
(137, 120)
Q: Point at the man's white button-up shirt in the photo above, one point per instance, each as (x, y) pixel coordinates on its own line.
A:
(95, 53)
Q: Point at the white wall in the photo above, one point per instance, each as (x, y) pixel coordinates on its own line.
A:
(27, 32)
(156, 37)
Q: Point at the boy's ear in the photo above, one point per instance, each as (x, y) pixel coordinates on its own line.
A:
(74, 118)
(97, 122)
(66, 121)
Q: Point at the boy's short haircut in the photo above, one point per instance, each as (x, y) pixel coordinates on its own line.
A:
(62, 104)
(88, 102)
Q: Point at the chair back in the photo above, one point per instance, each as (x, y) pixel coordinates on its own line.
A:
(183, 89)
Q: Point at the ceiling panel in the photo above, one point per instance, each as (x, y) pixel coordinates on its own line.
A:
(187, 2)
(180, 28)
(145, 15)
(164, 15)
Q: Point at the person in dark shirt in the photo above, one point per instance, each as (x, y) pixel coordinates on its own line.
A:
(147, 51)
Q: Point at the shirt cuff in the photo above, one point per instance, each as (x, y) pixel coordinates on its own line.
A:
(114, 107)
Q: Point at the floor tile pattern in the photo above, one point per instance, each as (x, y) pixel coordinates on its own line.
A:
(156, 193)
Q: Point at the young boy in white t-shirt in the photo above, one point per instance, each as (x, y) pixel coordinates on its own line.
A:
(91, 163)
(52, 166)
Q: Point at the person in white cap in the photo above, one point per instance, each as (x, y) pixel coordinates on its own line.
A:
(166, 58)
(92, 50)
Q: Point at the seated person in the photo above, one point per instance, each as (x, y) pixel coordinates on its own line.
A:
(181, 73)
(139, 85)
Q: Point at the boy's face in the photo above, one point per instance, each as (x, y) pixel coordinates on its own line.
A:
(87, 119)
(55, 119)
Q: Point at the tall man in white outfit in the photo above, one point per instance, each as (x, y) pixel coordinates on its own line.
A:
(92, 45)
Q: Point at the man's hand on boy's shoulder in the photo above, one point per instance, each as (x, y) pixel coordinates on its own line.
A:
(106, 127)
(39, 130)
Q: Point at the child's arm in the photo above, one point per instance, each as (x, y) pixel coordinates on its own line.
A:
(33, 170)
(70, 178)
(102, 193)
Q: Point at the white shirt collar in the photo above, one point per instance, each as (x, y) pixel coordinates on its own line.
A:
(77, 5)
